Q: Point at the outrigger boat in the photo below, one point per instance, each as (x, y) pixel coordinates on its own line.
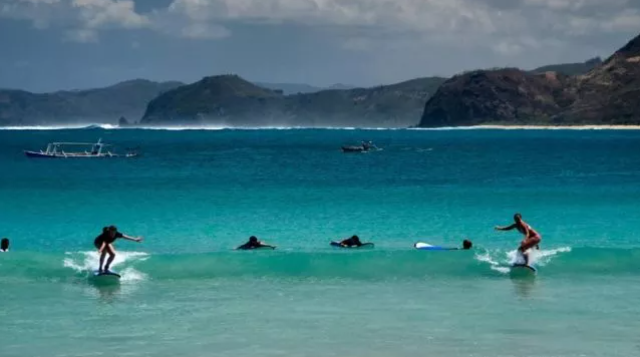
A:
(57, 151)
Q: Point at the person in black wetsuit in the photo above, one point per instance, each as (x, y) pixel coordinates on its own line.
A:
(104, 244)
(4, 245)
(354, 241)
(254, 243)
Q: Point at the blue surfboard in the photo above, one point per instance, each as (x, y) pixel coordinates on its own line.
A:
(427, 246)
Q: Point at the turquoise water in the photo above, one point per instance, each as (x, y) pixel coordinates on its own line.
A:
(195, 195)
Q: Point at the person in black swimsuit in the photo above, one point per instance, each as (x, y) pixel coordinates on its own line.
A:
(354, 241)
(104, 244)
(4, 245)
(254, 243)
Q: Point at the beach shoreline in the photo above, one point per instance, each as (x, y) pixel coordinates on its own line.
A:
(557, 127)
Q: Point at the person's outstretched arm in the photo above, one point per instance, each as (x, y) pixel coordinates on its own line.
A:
(134, 239)
(506, 228)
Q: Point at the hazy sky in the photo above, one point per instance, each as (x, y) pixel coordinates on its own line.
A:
(62, 44)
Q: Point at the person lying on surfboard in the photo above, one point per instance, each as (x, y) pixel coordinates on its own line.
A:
(254, 243)
(531, 237)
(354, 241)
(104, 243)
(466, 245)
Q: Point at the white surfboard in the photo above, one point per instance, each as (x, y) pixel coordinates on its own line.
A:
(427, 246)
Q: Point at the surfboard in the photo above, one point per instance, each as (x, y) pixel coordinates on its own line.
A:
(427, 246)
(106, 276)
(522, 270)
(364, 245)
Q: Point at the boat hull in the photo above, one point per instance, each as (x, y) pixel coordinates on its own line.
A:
(42, 155)
(353, 149)
(38, 155)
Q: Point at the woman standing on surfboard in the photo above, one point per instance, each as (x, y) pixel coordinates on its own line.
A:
(531, 237)
(104, 243)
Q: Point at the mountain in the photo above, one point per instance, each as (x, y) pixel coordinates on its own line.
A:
(606, 95)
(103, 105)
(233, 101)
(341, 86)
(571, 69)
(289, 88)
(297, 88)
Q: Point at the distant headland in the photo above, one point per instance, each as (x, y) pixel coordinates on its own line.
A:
(595, 93)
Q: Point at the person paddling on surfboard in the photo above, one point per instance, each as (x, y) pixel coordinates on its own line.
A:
(354, 241)
(531, 237)
(254, 243)
(104, 243)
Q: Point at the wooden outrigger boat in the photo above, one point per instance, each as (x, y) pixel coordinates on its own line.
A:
(57, 151)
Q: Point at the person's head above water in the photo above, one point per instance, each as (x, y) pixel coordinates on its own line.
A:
(4, 244)
(253, 239)
(517, 217)
(466, 244)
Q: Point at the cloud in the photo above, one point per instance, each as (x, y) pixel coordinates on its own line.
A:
(495, 24)
(201, 30)
(81, 19)
(98, 14)
(81, 36)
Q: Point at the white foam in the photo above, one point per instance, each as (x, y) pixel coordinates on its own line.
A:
(62, 127)
(86, 262)
(500, 260)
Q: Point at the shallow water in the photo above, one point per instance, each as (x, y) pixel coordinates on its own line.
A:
(195, 195)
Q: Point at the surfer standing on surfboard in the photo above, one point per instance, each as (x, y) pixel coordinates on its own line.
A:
(531, 237)
(104, 243)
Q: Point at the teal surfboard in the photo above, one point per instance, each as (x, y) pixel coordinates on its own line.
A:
(522, 271)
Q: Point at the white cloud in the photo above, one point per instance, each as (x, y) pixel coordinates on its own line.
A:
(97, 14)
(497, 24)
(81, 36)
(82, 19)
(201, 30)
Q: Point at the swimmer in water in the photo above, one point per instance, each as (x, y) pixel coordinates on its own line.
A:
(254, 243)
(531, 237)
(104, 244)
(4, 245)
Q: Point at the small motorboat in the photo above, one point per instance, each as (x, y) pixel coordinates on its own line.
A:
(364, 147)
(354, 149)
(57, 151)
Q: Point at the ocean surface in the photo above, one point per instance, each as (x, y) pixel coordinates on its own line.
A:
(195, 195)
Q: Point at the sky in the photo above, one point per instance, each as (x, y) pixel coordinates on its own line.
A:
(47, 45)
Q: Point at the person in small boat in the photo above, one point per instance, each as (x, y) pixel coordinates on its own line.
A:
(531, 237)
(104, 243)
(354, 241)
(254, 243)
(4, 245)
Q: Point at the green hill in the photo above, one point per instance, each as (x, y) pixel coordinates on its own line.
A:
(104, 105)
(605, 95)
(233, 101)
(571, 69)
